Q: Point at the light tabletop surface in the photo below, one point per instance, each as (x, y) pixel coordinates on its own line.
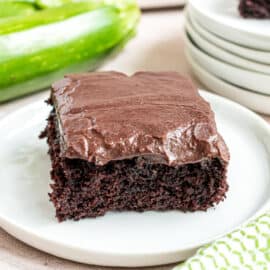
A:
(157, 46)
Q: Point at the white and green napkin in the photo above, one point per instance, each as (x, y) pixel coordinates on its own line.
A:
(245, 248)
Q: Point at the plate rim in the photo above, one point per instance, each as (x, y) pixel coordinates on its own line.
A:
(207, 57)
(233, 88)
(223, 55)
(237, 49)
(244, 36)
(105, 258)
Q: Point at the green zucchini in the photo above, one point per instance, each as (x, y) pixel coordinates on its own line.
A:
(38, 51)
(9, 9)
(46, 16)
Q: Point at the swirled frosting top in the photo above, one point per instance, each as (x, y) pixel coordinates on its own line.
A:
(106, 116)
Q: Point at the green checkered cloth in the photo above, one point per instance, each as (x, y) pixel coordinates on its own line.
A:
(247, 248)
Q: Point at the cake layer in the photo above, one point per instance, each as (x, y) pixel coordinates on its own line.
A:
(144, 142)
(83, 189)
(109, 116)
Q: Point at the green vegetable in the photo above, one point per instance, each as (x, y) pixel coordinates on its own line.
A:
(13, 9)
(46, 16)
(76, 36)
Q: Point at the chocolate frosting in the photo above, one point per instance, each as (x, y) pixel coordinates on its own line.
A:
(106, 116)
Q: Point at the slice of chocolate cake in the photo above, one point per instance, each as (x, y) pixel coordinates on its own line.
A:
(259, 9)
(145, 142)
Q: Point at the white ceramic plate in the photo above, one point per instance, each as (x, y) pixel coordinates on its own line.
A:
(222, 18)
(254, 101)
(222, 54)
(251, 80)
(128, 239)
(253, 55)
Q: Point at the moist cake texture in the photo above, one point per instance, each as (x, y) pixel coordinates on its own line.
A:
(259, 9)
(141, 142)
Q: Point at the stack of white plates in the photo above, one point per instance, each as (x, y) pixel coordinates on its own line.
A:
(229, 55)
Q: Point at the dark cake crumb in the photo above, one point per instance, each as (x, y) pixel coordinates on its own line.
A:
(259, 9)
(81, 189)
